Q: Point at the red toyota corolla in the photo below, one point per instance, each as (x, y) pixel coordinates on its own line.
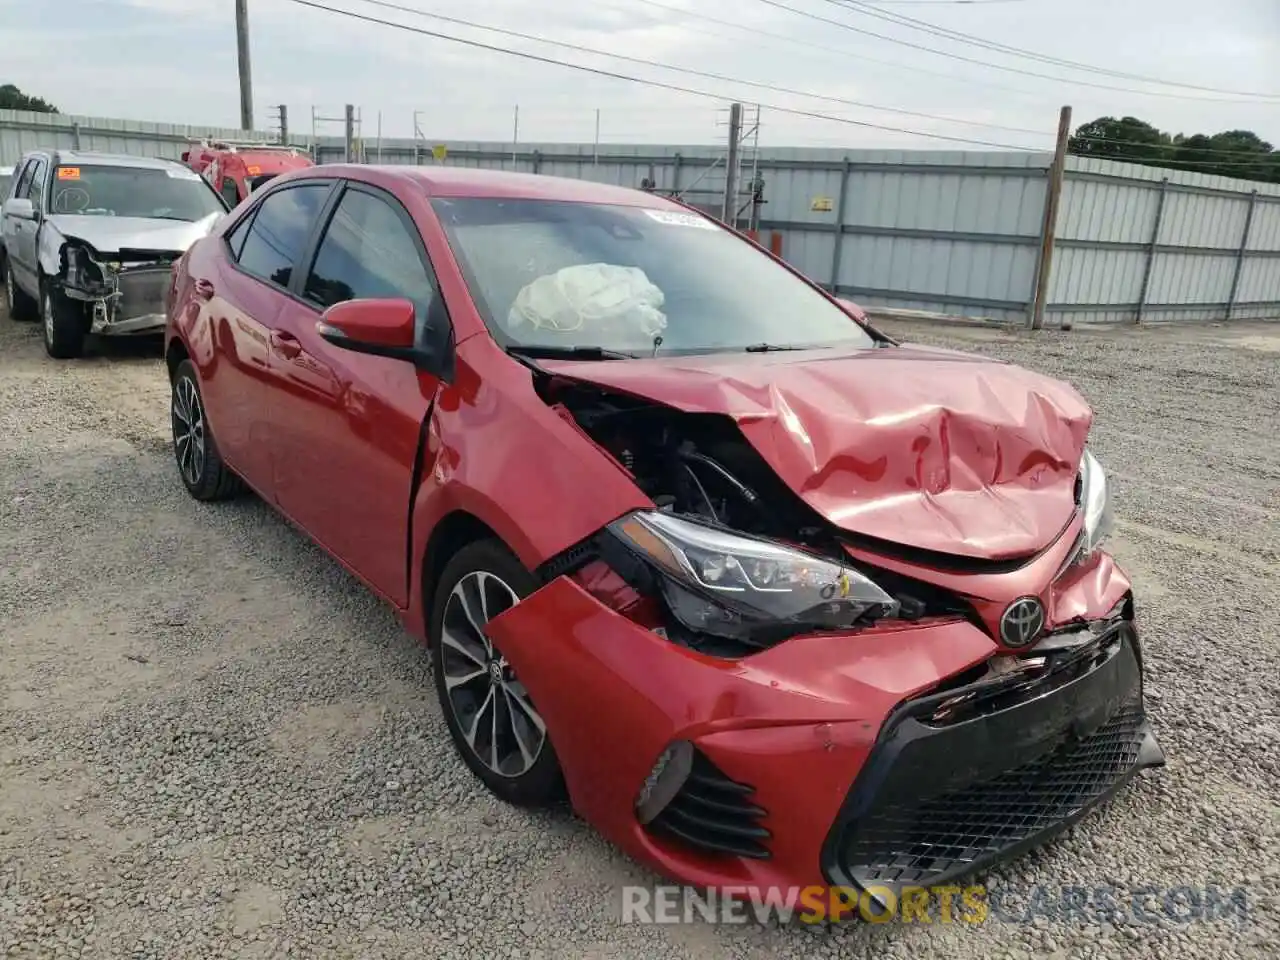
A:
(774, 599)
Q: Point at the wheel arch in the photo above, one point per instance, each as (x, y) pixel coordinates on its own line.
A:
(455, 530)
(174, 354)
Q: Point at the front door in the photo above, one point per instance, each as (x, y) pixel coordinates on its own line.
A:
(345, 426)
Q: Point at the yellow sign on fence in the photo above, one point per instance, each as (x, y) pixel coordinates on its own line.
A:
(440, 151)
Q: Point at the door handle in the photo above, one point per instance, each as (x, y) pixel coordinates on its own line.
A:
(204, 289)
(285, 344)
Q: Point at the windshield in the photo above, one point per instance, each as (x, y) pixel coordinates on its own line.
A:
(167, 194)
(560, 275)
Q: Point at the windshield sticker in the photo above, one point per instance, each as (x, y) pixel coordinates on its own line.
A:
(674, 219)
(182, 174)
(68, 173)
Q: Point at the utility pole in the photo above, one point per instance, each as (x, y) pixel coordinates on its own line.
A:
(242, 52)
(349, 134)
(284, 123)
(729, 213)
(1048, 235)
(515, 136)
(595, 154)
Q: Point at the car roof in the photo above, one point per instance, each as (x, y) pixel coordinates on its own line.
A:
(92, 158)
(438, 181)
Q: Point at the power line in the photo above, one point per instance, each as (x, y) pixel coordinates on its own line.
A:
(993, 66)
(858, 57)
(704, 74)
(660, 84)
(871, 10)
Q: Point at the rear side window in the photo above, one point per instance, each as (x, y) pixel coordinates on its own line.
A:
(280, 230)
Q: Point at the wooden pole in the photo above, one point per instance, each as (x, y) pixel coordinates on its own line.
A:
(1044, 268)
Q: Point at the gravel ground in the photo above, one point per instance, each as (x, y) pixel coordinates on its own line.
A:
(214, 743)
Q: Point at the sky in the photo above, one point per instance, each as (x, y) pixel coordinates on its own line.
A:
(175, 61)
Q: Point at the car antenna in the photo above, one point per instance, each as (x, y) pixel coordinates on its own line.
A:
(657, 342)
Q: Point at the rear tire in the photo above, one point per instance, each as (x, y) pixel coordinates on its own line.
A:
(200, 465)
(490, 715)
(22, 308)
(65, 323)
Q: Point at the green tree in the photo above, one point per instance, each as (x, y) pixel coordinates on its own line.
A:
(1126, 138)
(11, 98)
(1231, 153)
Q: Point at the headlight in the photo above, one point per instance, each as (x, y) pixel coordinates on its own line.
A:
(739, 587)
(1095, 502)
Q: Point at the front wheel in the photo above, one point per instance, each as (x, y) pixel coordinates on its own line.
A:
(491, 717)
(65, 323)
(200, 465)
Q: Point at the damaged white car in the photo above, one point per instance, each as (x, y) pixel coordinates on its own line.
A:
(87, 241)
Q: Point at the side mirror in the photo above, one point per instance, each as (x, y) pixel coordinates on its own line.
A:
(19, 207)
(383, 328)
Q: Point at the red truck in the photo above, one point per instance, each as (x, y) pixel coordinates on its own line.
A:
(236, 168)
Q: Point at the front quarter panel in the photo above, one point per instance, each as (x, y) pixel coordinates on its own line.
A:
(495, 451)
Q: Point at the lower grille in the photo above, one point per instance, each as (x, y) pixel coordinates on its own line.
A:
(916, 846)
(714, 813)
(949, 790)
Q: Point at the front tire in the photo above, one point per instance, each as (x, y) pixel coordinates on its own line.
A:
(21, 307)
(493, 721)
(200, 465)
(65, 324)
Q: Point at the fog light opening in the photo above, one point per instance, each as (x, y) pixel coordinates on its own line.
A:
(665, 780)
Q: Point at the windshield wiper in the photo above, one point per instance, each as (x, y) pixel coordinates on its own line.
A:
(549, 352)
(769, 347)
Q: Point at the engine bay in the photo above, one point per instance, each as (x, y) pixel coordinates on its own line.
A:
(699, 466)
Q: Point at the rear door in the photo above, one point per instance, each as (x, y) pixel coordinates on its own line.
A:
(243, 294)
(345, 426)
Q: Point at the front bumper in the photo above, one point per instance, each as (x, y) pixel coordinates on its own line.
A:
(943, 795)
(816, 762)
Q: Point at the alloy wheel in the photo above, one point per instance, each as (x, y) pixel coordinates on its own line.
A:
(492, 708)
(188, 430)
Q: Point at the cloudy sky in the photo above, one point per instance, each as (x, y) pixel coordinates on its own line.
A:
(174, 60)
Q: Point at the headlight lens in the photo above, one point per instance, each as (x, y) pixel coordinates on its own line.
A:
(1095, 501)
(730, 585)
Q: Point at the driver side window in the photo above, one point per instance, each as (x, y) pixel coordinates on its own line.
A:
(369, 251)
(37, 185)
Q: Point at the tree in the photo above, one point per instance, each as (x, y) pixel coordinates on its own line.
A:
(1231, 153)
(11, 98)
(1125, 139)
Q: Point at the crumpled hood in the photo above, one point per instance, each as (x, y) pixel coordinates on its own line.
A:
(931, 449)
(112, 234)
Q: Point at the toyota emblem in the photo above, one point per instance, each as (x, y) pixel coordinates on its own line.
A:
(1022, 622)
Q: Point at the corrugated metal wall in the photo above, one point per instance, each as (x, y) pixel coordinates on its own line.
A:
(1143, 242)
(951, 232)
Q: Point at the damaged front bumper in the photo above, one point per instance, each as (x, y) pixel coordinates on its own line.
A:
(880, 759)
(122, 294)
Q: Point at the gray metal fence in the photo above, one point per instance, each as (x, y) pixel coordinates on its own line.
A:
(950, 232)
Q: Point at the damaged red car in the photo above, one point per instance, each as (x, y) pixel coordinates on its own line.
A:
(771, 598)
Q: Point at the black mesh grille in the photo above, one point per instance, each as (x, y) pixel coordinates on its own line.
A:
(715, 814)
(917, 844)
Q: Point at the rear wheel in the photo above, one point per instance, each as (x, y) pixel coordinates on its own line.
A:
(21, 307)
(491, 717)
(65, 323)
(200, 465)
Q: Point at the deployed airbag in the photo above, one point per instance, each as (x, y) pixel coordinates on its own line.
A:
(593, 297)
